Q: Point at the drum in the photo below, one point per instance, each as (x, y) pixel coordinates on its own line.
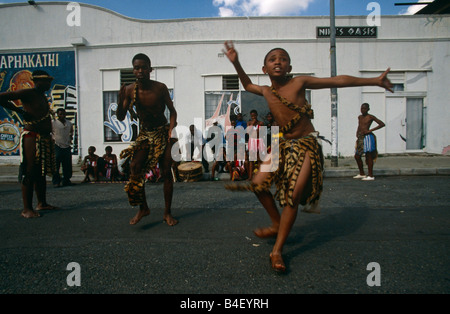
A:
(190, 171)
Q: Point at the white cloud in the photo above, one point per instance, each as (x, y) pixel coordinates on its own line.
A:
(224, 2)
(260, 7)
(225, 12)
(412, 9)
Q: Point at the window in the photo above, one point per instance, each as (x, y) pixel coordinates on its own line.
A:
(128, 129)
(127, 77)
(115, 130)
(218, 101)
(230, 82)
(222, 99)
(398, 87)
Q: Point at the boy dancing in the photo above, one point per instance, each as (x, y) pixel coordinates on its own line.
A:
(299, 177)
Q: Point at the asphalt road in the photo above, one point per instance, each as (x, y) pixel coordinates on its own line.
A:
(401, 223)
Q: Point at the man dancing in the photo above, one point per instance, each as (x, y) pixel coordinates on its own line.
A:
(153, 143)
(37, 148)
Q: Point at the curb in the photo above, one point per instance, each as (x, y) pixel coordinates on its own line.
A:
(328, 173)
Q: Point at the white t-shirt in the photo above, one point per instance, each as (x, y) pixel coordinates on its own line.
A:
(62, 133)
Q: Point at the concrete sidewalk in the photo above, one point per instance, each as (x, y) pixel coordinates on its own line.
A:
(386, 165)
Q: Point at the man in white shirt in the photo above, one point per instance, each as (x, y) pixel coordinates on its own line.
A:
(63, 135)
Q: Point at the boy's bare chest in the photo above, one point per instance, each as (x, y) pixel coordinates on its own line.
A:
(365, 121)
(280, 110)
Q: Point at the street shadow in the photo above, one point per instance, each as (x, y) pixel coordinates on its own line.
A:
(312, 234)
(149, 225)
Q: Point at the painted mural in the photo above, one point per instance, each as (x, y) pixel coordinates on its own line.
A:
(15, 74)
(121, 131)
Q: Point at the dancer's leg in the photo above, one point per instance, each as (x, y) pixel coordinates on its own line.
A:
(268, 202)
(289, 214)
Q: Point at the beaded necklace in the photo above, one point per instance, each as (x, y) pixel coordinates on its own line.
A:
(35, 122)
(134, 95)
(304, 111)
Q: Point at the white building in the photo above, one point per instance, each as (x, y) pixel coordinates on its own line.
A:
(90, 49)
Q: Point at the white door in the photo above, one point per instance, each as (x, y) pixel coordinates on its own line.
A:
(404, 125)
(414, 124)
(395, 125)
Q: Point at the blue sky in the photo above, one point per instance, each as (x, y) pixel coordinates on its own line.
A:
(176, 9)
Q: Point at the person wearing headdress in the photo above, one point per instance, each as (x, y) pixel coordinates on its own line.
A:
(37, 149)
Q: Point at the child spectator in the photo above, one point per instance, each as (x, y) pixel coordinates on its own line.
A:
(89, 166)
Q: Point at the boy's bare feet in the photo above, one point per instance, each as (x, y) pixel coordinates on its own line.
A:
(169, 220)
(29, 213)
(277, 262)
(141, 213)
(267, 232)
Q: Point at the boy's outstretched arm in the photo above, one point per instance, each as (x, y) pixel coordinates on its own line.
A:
(349, 81)
(232, 55)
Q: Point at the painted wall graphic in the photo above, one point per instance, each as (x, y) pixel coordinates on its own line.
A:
(223, 106)
(121, 131)
(15, 74)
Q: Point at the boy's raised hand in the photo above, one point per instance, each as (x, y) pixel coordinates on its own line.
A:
(385, 82)
(230, 52)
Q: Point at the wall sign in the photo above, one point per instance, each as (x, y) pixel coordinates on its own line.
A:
(348, 32)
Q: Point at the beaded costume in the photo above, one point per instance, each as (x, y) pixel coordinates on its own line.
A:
(45, 150)
(292, 155)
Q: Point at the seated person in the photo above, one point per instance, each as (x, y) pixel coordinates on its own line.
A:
(238, 169)
(112, 172)
(219, 165)
(89, 166)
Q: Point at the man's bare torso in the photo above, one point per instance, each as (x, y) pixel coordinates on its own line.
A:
(150, 103)
(37, 107)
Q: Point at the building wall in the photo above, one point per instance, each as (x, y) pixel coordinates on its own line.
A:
(186, 55)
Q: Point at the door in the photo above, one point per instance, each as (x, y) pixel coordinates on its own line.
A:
(414, 124)
(404, 124)
(395, 125)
